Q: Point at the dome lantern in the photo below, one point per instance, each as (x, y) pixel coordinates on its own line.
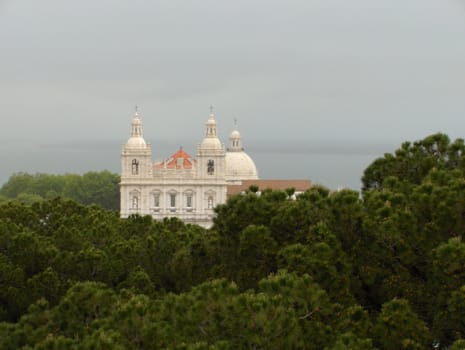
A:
(235, 140)
(211, 140)
(136, 139)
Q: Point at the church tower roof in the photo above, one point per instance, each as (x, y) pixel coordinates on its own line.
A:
(136, 140)
(211, 140)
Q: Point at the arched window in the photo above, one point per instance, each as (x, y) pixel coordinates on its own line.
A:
(210, 167)
(135, 167)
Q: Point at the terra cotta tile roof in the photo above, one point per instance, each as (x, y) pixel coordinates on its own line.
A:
(178, 160)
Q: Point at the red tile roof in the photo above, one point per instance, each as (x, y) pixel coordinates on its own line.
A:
(178, 160)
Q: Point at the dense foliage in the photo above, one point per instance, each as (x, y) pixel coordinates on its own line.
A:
(100, 188)
(329, 270)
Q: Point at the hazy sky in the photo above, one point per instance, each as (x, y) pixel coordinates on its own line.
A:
(369, 70)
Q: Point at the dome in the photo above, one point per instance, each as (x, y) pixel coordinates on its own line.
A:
(235, 135)
(136, 141)
(239, 166)
(211, 143)
(211, 119)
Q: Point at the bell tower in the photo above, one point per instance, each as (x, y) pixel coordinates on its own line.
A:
(211, 168)
(136, 170)
(211, 153)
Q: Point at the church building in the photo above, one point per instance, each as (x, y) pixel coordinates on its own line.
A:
(182, 186)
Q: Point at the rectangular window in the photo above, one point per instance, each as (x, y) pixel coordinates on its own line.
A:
(135, 202)
(189, 201)
(172, 200)
(135, 167)
(156, 200)
(210, 167)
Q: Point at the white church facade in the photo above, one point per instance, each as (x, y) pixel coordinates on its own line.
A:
(182, 186)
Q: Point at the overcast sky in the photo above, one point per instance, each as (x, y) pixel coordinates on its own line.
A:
(386, 70)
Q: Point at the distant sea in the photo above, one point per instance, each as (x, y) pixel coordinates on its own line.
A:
(334, 164)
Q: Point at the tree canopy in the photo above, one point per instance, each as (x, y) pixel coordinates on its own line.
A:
(384, 269)
(100, 188)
